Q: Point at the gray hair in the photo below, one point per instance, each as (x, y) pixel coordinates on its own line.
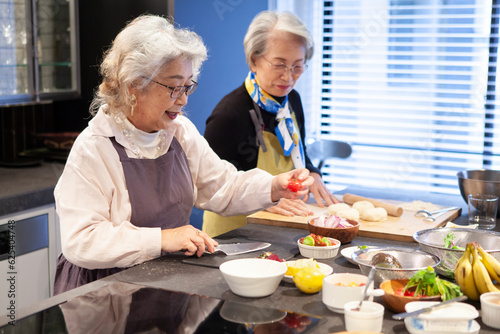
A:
(139, 52)
(262, 26)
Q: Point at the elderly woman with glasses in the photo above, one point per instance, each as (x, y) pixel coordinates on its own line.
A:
(134, 174)
(261, 123)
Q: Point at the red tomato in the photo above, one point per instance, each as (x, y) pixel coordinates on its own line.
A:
(294, 185)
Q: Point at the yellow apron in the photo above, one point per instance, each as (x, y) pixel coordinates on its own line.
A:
(272, 161)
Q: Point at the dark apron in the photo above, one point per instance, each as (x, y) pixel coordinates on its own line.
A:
(161, 195)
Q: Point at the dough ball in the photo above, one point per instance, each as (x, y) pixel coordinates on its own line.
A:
(362, 206)
(334, 208)
(375, 214)
(350, 213)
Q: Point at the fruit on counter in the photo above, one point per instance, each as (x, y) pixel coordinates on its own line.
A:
(270, 256)
(464, 277)
(481, 275)
(316, 240)
(349, 285)
(294, 185)
(476, 272)
(332, 221)
(309, 280)
(426, 283)
(295, 266)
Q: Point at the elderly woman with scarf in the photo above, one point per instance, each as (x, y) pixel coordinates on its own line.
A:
(261, 123)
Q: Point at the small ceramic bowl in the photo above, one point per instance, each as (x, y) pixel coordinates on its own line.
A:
(319, 252)
(253, 277)
(490, 309)
(369, 318)
(344, 235)
(451, 318)
(342, 288)
(395, 302)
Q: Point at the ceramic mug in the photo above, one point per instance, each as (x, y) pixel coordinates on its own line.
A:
(369, 318)
(337, 290)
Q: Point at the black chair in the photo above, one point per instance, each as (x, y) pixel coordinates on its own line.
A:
(326, 149)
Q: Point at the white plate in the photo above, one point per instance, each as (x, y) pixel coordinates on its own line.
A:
(347, 252)
(325, 269)
(408, 322)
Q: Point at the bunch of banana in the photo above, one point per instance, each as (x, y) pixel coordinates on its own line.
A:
(476, 270)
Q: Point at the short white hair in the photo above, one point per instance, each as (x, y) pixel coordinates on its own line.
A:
(139, 52)
(264, 24)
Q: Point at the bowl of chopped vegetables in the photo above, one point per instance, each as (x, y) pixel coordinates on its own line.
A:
(332, 226)
(425, 285)
(449, 245)
(318, 247)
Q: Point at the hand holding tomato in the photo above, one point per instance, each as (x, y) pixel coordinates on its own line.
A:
(282, 188)
(294, 185)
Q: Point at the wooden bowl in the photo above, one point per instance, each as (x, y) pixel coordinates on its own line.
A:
(396, 303)
(344, 235)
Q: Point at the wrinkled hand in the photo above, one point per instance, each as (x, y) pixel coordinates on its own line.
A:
(187, 238)
(290, 208)
(279, 188)
(320, 192)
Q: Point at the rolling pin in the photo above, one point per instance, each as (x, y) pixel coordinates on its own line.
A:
(392, 209)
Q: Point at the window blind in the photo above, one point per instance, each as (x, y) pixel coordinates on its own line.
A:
(411, 85)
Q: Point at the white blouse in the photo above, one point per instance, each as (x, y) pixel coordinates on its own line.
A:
(93, 204)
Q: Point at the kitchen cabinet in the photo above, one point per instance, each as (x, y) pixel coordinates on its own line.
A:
(29, 245)
(39, 57)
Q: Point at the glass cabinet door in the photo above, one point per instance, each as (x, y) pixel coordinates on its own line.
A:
(56, 48)
(14, 61)
(38, 50)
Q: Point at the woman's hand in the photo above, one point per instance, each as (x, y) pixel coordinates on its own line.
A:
(187, 238)
(290, 208)
(279, 187)
(320, 192)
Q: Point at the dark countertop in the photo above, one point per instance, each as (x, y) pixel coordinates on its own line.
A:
(29, 187)
(170, 273)
(26, 188)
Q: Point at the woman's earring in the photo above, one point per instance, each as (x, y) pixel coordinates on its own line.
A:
(133, 103)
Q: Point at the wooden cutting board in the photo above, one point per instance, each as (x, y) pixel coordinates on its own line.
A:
(394, 228)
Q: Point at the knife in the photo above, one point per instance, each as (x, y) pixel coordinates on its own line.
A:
(240, 248)
(403, 315)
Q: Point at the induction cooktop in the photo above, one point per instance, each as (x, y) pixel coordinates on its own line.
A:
(130, 308)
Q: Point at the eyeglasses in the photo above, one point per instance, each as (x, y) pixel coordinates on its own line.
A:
(283, 69)
(177, 91)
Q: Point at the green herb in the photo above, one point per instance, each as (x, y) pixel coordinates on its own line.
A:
(449, 243)
(427, 283)
(362, 247)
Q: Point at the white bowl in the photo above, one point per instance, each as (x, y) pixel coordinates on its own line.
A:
(335, 296)
(319, 252)
(455, 317)
(325, 269)
(490, 309)
(253, 277)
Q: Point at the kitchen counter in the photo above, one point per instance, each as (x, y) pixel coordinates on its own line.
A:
(28, 187)
(171, 273)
